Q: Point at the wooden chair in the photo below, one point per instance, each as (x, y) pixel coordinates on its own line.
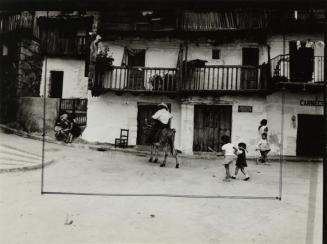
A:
(123, 140)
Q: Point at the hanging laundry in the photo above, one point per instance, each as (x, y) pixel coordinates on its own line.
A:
(320, 44)
(309, 44)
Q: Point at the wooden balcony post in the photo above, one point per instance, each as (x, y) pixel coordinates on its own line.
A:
(185, 68)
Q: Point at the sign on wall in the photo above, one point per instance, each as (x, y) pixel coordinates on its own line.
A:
(246, 109)
(313, 103)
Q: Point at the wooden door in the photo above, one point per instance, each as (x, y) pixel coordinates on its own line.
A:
(249, 74)
(310, 135)
(56, 84)
(136, 58)
(211, 122)
(144, 116)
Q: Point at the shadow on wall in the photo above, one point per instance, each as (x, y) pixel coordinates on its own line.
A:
(30, 114)
(274, 143)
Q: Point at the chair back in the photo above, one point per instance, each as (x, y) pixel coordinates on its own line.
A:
(124, 133)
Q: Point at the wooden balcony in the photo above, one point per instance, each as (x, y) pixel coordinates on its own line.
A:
(207, 80)
(139, 79)
(16, 22)
(222, 78)
(53, 45)
(283, 69)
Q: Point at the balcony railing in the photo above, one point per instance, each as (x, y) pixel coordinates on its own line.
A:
(16, 22)
(208, 78)
(283, 69)
(75, 107)
(139, 79)
(225, 78)
(74, 46)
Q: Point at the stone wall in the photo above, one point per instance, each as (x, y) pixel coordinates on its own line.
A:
(30, 113)
(29, 69)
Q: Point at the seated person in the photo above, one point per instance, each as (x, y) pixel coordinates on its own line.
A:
(63, 129)
(76, 130)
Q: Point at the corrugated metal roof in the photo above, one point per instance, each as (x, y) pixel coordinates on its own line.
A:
(232, 20)
(106, 4)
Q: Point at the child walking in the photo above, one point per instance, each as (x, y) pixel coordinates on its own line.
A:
(264, 148)
(229, 153)
(241, 161)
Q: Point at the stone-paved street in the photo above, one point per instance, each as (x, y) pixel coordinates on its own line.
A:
(18, 152)
(26, 216)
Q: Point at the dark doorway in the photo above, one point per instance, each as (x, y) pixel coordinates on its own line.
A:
(136, 60)
(250, 61)
(211, 122)
(56, 84)
(310, 135)
(301, 62)
(144, 115)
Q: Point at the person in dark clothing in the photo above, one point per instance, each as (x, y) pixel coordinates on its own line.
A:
(241, 161)
(63, 129)
(76, 130)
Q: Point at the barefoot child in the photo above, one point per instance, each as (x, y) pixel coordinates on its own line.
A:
(241, 161)
(264, 148)
(229, 153)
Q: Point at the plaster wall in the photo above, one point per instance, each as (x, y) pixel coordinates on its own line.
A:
(74, 82)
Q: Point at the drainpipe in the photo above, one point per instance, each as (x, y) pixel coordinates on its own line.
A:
(1, 80)
(281, 153)
(325, 123)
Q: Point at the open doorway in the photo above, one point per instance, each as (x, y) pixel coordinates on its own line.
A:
(136, 60)
(144, 115)
(310, 135)
(56, 84)
(301, 62)
(250, 62)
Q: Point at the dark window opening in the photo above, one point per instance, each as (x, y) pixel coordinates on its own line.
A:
(215, 53)
(250, 56)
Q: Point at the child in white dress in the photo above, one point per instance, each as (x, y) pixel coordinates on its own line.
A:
(264, 148)
(229, 155)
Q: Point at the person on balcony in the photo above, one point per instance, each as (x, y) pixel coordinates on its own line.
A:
(161, 120)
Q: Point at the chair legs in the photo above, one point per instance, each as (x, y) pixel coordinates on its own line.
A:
(121, 143)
